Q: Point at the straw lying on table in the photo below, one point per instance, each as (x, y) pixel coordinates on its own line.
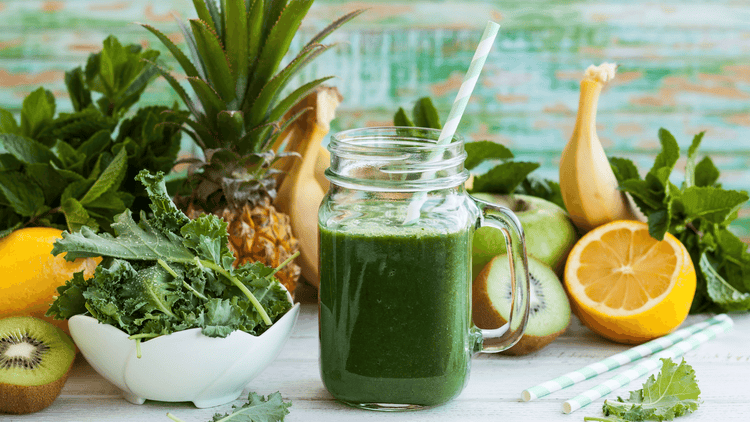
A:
(669, 346)
(617, 360)
(644, 367)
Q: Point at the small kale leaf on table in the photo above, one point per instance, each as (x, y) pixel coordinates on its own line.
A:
(257, 409)
(507, 177)
(167, 273)
(698, 213)
(673, 392)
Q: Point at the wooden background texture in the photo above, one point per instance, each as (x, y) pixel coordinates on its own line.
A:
(684, 66)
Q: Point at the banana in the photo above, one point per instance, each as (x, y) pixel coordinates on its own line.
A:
(588, 185)
(304, 185)
(321, 164)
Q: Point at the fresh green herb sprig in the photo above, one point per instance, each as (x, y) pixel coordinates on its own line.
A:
(257, 409)
(507, 177)
(167, 273)
(698, 213)
(70, 170)
(674, 392)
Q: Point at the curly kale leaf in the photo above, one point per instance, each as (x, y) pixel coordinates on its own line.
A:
(134, 241)
(674, 392)
(257, 409)
(166, 274)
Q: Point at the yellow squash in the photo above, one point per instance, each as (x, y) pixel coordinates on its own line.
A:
(588, 185)
(304, 184)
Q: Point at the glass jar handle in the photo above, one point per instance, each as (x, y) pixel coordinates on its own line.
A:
(499, 339)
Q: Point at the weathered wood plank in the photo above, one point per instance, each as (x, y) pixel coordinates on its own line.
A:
(684, 66)
(491, 394)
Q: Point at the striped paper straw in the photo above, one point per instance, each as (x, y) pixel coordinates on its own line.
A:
(617, 360)
(644, 367)
(459, 106)
(470, 81)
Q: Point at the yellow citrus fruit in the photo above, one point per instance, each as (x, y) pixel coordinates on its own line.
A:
(626, 285)
(30, 274)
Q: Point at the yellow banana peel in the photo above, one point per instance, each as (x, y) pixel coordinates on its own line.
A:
(304, 184)
(587, 182)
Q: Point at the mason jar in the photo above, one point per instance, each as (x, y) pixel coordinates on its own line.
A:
(395, 236)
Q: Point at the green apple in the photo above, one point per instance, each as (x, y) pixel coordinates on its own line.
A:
(549, 232)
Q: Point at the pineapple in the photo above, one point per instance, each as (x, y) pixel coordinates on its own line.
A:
(237, 115)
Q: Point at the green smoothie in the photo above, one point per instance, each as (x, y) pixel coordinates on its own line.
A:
(395, 313)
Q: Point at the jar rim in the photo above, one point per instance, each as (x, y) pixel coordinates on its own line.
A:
(396, 158)
(410, 142)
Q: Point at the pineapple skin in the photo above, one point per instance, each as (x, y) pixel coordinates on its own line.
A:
(259, 234)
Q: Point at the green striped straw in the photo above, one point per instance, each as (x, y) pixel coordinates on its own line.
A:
(617, 360)
(470, 81)
(459, 105)
(647, 365)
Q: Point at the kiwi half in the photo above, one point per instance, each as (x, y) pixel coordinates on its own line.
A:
(35, 358)
(549, 314)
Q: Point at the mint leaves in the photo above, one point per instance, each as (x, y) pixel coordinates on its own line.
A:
(167, 273)
(674, 392)
(69, 170)
(698, 213)
(507, 177)
(257, 409)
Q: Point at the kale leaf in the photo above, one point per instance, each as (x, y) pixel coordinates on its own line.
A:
(674, 392)
(257, 409)
(167, 273)
(698, 213)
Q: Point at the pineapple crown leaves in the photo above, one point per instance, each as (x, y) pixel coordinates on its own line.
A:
(227, 177)
(236, 51)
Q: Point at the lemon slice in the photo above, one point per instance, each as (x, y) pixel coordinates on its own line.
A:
(626, 285)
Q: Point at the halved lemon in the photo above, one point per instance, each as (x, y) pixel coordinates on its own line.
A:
(626, 285)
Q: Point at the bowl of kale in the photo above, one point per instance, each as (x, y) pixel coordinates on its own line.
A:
(166, 316)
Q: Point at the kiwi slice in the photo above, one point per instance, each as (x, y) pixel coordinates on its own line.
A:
(549, 313)
(35, 358)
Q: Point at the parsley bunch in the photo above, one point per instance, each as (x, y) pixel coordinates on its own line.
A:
(167, 273)
(77, 169)
(698, 213)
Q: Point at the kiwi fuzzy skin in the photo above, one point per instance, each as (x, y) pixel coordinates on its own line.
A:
(20, 399)
(486, 316)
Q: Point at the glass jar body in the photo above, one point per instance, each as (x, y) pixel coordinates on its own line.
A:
(395, 292)
(395, 301)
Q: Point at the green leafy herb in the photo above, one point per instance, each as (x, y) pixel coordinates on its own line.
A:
(507, 177)
(698, 213)
(167, 273)
(257, 409)
(69, 171)
(674, 392)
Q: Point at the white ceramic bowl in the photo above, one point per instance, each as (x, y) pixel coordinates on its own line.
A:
(182, 366)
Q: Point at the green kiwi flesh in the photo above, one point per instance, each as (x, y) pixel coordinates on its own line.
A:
(549, 314)
(35, 358)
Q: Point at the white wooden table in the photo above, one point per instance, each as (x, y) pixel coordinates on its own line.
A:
(492, 394)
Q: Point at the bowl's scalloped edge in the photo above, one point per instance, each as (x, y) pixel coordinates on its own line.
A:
(198, 401)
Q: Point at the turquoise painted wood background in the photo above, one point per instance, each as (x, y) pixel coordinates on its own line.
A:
(684, 66)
